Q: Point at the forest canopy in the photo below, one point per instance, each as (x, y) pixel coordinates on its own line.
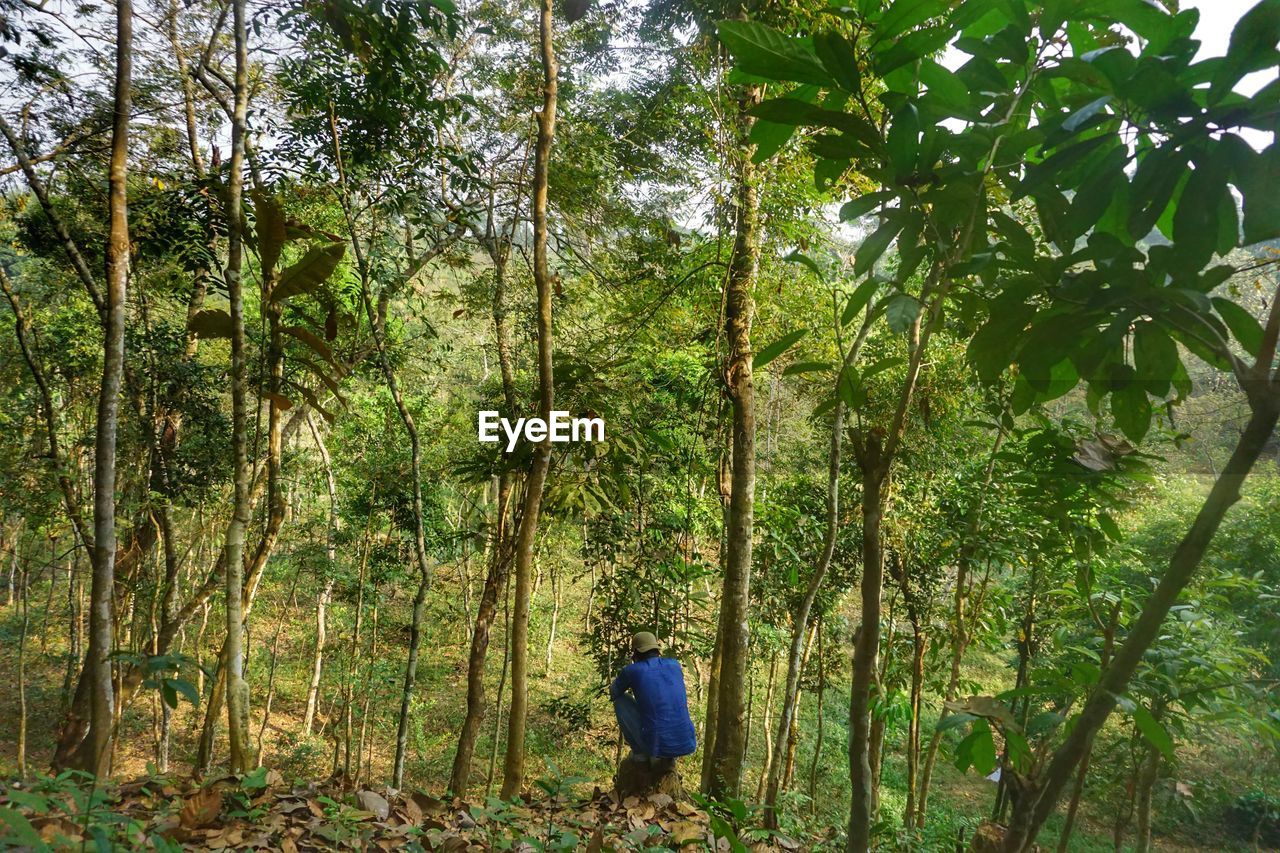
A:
(390, 387)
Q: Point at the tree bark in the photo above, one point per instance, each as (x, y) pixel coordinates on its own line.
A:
(326, 590)
(729, 748)
(866, 648)
(513, 763)
(96, 757)
(237, 690)
(500, 547)
(1034, 807)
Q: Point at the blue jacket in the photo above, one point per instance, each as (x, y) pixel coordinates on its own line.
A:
(658, 686)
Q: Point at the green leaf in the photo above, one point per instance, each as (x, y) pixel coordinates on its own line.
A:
(904, 139)
(882, 365)
(211, 323)
(1155, 733)
(1077, 119)
(806, 367)
(309, 273)
(977, 750)
(1252, 47)
(777, 348)
(1257, 180)
(21, 830)
(186, 688)
(768, 137)
(765, 52)
(901, 310)
(875, 244)
(797, 257)
(838, 58)
(905, 14)
(1155, 358)
(858, 300)
(1243, 325)
(1131, 410)
(863, 204)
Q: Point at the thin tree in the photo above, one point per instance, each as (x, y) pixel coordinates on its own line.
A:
(237, 690)
(513, 762)
(729, 747)
(101, 619)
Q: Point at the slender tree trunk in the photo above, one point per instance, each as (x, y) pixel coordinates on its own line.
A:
(1034, 808)
(713, 706)
(919, 642)
(555, 616)
(500, 546)
(1082, 774)
(768, 729)
(729, 747)
(97, 749)
(513, 765)
(866, 648)
(1148, 772)
(232, 669)
(800, 624)
(817, 741)
(25, 603)
(326, 589)
(502, 683)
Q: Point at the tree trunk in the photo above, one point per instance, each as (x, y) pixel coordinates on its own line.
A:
(326, 590)
(918, 644)
(866, 648)
(1034, 808)
(729, 749)
(232, 669)
(800, 625)
(817, 737)
(1082, 774)
(25, 603)
(768, 729)
(1148, 772)
(500, 546)
(513, 764)
(95, 755)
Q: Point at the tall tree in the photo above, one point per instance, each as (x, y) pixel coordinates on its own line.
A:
(237, 689)
(531, 506)
(733, 636)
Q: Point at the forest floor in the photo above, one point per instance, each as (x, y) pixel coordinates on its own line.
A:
(572, 748)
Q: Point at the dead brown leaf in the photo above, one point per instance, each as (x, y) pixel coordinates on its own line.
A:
(201, 808)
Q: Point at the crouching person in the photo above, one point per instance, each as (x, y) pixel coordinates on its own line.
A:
(653, 713)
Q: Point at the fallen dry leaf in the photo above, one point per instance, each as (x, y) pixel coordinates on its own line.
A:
(201, 808)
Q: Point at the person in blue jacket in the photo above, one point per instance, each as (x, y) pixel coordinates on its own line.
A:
(654, 718)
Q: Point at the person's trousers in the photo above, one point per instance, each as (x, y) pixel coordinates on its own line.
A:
(631, 721)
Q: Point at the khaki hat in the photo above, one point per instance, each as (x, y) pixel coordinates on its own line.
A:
(643, 641)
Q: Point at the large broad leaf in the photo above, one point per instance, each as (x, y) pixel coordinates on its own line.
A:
(312, 340)
(269, 216)
(1252, 47)
(309, 273)
(1155, 358)
(875, 244)
(1153, 731)
(901, 310)
(1243, 325)
(211, 323)
(1131, 410)
(858, 300)
(838, 58)
(765, 52)
(777, 348)
(1258, 179)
